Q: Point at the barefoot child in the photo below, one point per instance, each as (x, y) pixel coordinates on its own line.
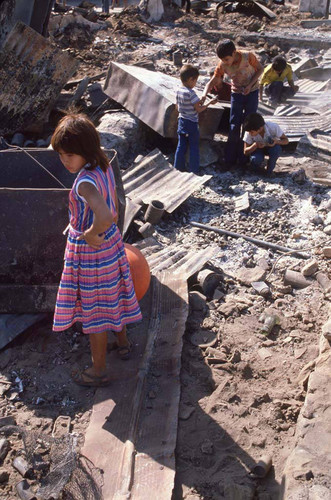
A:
(244, 70)
(189, 107)
(96, 287)
(263, 138)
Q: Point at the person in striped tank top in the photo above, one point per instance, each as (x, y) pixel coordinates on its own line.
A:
(96, 288)
(244, 71)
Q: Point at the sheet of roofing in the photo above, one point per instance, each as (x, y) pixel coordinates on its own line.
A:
(133, 427)
(153, 178)
(151, 97)
(300, 125)
(37, 70)
(175, 258)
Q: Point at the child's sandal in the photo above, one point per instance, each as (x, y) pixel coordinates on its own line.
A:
(124, 351)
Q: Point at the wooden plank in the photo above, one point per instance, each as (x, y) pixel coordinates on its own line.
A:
(123, 437)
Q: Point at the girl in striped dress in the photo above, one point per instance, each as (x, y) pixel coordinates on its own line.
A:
(96, 287)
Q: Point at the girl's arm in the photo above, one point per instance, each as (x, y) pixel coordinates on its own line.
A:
(102, 215)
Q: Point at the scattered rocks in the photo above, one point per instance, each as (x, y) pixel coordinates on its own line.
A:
(247, 276)
(327, 252)
(310, 268)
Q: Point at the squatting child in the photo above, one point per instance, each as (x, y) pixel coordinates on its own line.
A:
(244, 70)
(189, 106)
(263, 138)
(273, 79)
(96, 286)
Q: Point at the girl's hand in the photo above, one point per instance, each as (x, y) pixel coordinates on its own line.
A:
(272, 144)
(260, 145)
(93, 240)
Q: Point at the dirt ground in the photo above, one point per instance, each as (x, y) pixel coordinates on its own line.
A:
(241, 396)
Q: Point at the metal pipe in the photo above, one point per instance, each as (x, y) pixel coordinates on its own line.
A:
(252, 240)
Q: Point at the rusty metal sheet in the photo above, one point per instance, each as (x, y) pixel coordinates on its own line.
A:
(33, 215)
(131, 437)
(175, 258)
(151, 97)
(32, 74)
(153, 178)
(32, 299)
(299, 126)
(34, 13)
(316, 143)
(131, 211)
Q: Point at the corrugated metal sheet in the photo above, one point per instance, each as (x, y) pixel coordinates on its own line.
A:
(316, 143)
(299, 126)
(306, 85)
(153, 178)
(175, 258)
(32, 74)
(151, 97)
(287, 110)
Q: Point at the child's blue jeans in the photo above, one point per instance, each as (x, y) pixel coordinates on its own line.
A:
(188, 135)
(241, 106)
(258, 156)
(277, 91)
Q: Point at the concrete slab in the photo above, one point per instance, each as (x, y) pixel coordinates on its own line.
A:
(133, 428)
(307, 472)
(151, 97)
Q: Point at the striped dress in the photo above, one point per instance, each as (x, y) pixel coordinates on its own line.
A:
(96, 286)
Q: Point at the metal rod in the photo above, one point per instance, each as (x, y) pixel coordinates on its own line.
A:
(252, 240)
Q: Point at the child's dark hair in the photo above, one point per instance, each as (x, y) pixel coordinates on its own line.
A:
(279, 63)
(188, 71)
(225, 48)
(76, 134)
(253, 122)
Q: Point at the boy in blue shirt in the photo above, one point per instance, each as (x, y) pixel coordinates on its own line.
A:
(189, 106)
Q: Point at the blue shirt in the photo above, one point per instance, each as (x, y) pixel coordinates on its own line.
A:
(185, 100)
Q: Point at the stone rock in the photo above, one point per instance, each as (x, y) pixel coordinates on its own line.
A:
(228, 308)
(4, 448)
(233, 491)
(326, 330)
(4, 476)
(207, 447)
(123, 132)
(208, 153)
(310, 268)
(319, 492)
(327, 229)
(326, 251)
(247, 276)
(317, 220)
(197, 301)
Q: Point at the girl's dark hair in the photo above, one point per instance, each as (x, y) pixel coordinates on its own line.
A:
(188, 71)
(253, 122)
(225, 48)
(279, 63)
(76, 134)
